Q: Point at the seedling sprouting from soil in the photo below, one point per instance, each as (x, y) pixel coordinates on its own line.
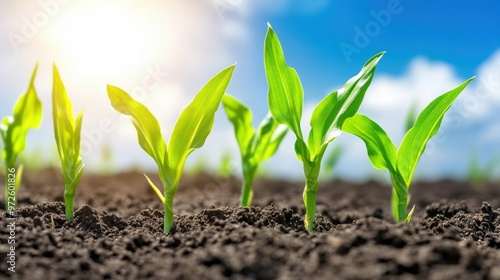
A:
(286, 101)
(401, 163)
(190, 132)
(254, 148)
(67, 134)
(14, 130)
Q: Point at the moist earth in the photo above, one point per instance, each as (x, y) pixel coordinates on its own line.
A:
(117, 231)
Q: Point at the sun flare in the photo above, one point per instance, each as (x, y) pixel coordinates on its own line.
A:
(101, 39)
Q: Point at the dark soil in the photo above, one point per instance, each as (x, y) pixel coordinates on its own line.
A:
(117, 232)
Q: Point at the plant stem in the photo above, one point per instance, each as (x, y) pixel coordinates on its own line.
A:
(309, 197)
(69, 199)
(169, 213)
(246, 193)
(399, 198)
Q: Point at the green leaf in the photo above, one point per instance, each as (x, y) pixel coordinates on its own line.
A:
(426, 126)
(381, 150)
(155, 189)
(146, 125)
(196, 121)
(241, 118)
(285, 90)
(27, 115)
(329, 115)
(269, 137)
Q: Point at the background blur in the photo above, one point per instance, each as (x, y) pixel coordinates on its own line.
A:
(162, 53)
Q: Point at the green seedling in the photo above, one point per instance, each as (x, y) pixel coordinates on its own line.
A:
(67, 134)
(286, 102)
(411, 116)
(224, 170)
(254, 148)
(479, 175)
(401, 163)
(332, 160)
(14, 129)
(190, 132)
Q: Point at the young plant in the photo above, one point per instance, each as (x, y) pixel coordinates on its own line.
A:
(286, 102)
(67, 133)
(479, 175)
(254, 148)
(190, 132)
(401, 163)
(332, 160)
(14, 130)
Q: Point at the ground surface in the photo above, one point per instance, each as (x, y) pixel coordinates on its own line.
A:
(117, 233)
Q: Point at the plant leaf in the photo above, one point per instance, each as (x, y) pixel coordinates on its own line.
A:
(196, 121)
(329, 115)
(426, 126)
(269, 137)
(285, 90)
(146, 125)
(27, 115)
(155, 189)
(241, 118)
(66, 132)
(380, 148)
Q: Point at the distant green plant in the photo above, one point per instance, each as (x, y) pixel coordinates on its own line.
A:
(479, 175)
(254, 148)
(67, 134)
(332, 160)
(411, 117)
(190, 132)
(224, 170)
(14, 130)
(401, 163)
(286, 102)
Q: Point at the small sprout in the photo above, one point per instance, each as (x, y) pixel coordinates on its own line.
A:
(479, 175)
(14, 129)
(401, 163)
(411, 116)
(286, 101)
(67, 134)
(254, 148)
(190, 132)
(332, 160)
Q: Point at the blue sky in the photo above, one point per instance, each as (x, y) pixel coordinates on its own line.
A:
(162, 53)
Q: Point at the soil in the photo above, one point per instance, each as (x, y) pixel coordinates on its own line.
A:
(117, 232)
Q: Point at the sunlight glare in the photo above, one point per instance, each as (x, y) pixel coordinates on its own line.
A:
(101, 39)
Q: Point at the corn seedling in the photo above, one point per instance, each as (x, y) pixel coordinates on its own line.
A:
(190, 132)
(254, 148)
(14, 130)
(286, 102)
(479, 175)
(401, 163)
(224, 169)
(411, 116)
(67, 134)
(331, 161)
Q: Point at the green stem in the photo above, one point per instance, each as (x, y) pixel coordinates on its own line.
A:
(246, 193)
(69, 199)
(399, 198)
(309, 196)
(169, 213)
